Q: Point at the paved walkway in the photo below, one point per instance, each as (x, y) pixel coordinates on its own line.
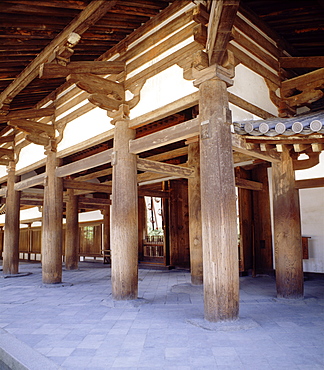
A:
(77, 325)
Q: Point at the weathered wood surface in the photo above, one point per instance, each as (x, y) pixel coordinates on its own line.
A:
(302, 62)
(72, 232)
(84, 164)
(33, 127)
(310, 183)
(164, 168)
(30, 182)
(54, 70)
(82, 185)
(248, 184)
(219, 229)
(179, 251)
(52, 223)
(169, 135)
(194, 202)
(263, 260)
(28, 113)
(94, 11)
(124, 217)
(10, 264)
(221, 20)
(287, 229)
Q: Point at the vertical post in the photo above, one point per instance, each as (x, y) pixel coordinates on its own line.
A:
(287, 229)
(72, 232)
(195, 237)
(11, 232)
(106, 233)
(124, 218)
(218, 207)
(52, 221)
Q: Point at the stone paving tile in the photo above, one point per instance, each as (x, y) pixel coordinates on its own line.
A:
(79, 327)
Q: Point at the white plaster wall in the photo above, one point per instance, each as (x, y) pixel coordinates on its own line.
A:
(312, 217)
(157, 91)
(252, 88)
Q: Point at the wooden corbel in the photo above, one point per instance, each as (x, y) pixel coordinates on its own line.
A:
(33, 127)
(304, 164)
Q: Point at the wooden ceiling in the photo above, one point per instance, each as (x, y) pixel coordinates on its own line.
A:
(27, 27)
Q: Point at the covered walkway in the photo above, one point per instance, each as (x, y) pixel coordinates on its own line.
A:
(77, 325)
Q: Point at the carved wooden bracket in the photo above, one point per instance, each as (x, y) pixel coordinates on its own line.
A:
(303, 90)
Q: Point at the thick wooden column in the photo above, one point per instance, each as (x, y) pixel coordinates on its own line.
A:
(196, 254)
(11, 232)
(218, 208)
(52, 221)
(287, 229)
(72, 232)
(124, 222)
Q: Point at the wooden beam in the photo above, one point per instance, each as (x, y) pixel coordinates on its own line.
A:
(248, 184)
(167, 136)
(84, 164)
(98, 201)
(95, 84)
(53, 70)
(165, 111)
(304, 164)
(80, 185)
(164, 168)
(310, 183)
(221, 20)
(302, 62)
(7, 152)
(33, 127)
(94, 11)
(29, 183)
(303, 82)
(239, 145)
(7, 139)
(241, 103)
(28, 113)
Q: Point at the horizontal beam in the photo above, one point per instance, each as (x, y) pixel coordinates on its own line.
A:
(81, 185)
(310, 183)
(53, 70)
(28, 113)
(29, 183)
(167, 136)
(85, 164)
(302, 62)
(239, 145)
(248, 184)
(164, 168)
(99, 201)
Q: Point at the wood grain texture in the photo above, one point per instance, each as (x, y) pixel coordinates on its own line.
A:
(72, 232)
(194, 198)
(287, 229)
(52, 223)
(218, 208)
(11, 233)
(124, 219)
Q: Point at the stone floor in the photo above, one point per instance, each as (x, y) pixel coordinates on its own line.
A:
(77, 325)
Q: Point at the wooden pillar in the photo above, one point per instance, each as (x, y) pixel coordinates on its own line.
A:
(124, 218)
(196, 254)
(287, 229)
(52, 221)
(218, 208)
(106, 232)
(11, 232)
(72, 232)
